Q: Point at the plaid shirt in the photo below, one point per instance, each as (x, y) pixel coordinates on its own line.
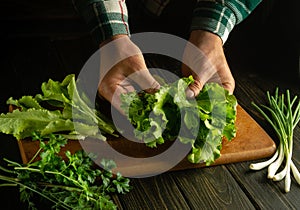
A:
(106, 18)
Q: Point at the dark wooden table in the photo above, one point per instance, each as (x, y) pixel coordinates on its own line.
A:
(27, 61)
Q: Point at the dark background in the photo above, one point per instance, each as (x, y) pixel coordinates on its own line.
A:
(47, 39)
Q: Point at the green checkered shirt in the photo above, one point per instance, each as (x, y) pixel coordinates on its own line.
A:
(106, 18)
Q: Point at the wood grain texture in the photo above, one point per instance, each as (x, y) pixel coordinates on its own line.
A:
(264, 193)
(211, 188)
(159, 192)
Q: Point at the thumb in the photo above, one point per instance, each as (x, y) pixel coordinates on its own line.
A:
(142, 78)
(194, 89)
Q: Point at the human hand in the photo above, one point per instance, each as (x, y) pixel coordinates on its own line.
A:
(205, 60)
(121, 65)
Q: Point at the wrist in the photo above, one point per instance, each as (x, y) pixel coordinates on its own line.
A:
(205, 40)
(115, 37)
(209, 44)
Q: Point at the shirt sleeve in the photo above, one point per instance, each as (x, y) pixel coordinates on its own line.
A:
(104, 18)
(220, 16)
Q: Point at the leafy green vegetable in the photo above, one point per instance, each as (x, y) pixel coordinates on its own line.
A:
(59, 113)
(283, 114)
(168, 114)
(71, 184)
(60, 108)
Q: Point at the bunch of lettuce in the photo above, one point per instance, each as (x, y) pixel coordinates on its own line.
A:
(61, 108)
(168, 114)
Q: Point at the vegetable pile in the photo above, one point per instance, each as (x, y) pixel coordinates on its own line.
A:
(168, 114)
(62, 112)
(283, 114)
(51, 118)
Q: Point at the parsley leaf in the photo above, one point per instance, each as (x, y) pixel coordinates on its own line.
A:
(74, 183)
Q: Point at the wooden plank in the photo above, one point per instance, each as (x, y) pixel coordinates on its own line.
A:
(159, 192)
(211, 188)
(264, 193)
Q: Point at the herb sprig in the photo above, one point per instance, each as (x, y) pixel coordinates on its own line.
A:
(71, 184)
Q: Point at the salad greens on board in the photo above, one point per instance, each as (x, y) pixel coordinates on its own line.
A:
(62, 112)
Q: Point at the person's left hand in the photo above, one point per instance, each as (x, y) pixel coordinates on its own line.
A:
(122, 65)
(205, 60)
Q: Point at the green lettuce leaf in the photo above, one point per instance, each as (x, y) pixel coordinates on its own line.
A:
(168, 114)
(26, 102)
(61, 107)
(22, 124)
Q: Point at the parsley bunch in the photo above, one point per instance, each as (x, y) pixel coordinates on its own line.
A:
(71, 184)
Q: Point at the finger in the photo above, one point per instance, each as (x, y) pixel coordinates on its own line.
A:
(115, 52)
(112, 87)
(144, 80)
(208, 73)
(196, 63)
(224, 77)
(116, 98)
(194, 89)
(229, 86)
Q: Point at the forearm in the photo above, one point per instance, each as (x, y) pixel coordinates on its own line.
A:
(220, 17)
(104, 18)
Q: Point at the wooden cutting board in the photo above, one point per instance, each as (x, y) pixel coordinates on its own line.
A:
(138, 160)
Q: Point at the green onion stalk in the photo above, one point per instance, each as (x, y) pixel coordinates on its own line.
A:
(283, 115)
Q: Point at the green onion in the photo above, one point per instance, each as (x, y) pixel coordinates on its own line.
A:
(283, 115)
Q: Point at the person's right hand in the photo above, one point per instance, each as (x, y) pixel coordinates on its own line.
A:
(121, 65)
(206, 61)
